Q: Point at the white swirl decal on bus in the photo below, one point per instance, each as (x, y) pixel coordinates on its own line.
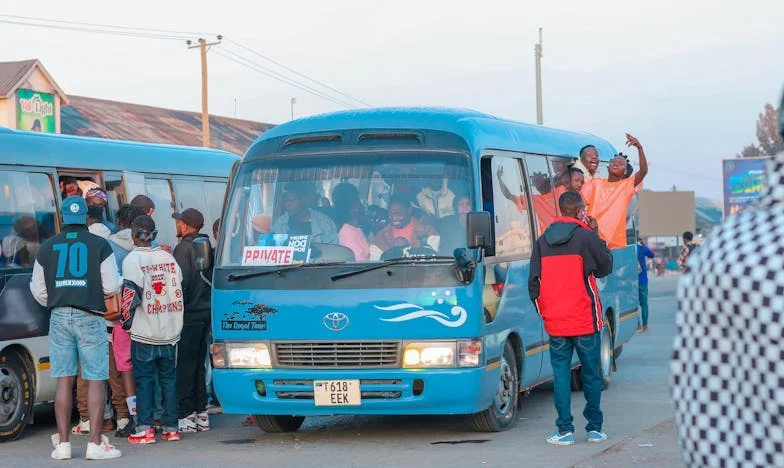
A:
(458, 312)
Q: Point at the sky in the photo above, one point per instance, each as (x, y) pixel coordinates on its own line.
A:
(687, 78)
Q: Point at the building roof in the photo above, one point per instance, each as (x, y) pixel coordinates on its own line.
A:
(12, 74)
(124, 121)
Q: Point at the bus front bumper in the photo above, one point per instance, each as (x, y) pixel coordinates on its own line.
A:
(383, 391)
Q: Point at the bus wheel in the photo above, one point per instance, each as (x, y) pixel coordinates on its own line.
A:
(502, 414)
(606, 358)
(16, 395)
(278, 424)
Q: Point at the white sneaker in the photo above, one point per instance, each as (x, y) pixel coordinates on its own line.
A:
(188, 424)
(104, 451)
(83, 428)
(203, 421)
(62, 450)
(122, 422)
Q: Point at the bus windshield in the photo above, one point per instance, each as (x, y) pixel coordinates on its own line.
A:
(359, 207)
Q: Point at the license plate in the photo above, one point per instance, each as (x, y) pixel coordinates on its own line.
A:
(336, 393)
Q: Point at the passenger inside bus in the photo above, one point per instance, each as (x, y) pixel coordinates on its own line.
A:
(20, 246)
(299, 218)
(435, 198)
(453, 228)
(348, 213)
(403, 230)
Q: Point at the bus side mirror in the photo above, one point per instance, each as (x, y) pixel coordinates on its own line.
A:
(202, 254)
(479, 230)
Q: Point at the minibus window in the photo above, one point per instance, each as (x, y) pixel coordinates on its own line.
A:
(27, 216)
(542, 191)
(354, 208)
(159, 192)
(510, 208)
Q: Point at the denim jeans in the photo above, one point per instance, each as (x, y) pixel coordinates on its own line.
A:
(588, 351)
(149, 362)
(76, 339)
(644, 303)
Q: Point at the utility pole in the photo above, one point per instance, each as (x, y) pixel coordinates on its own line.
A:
(538, 55)
(205, 116)
(293, 101)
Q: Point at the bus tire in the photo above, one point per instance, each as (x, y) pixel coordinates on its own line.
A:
(502, 413)
(606, 357)
(17, 395)
(277, 424)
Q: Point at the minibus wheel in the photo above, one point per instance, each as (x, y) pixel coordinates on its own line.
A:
(278, 424)
(16, 395)
(502, 413)
(606, 357)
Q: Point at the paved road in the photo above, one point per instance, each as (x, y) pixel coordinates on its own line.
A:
(637, 407)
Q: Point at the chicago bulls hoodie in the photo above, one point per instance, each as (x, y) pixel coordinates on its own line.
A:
(158, 320)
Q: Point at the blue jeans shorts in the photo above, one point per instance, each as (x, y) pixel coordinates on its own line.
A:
(78, 338)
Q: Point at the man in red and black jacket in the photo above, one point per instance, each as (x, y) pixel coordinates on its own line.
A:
(565, 263)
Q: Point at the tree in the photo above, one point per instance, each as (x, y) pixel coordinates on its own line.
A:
(750, 151)
(770, 142)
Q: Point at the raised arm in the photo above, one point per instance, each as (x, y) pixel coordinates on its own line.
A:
(639, 175)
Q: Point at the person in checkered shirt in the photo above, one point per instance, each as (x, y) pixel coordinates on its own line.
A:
(728, 361)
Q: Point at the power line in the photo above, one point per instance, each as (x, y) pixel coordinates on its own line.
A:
(164, 34)
(228, 55)
(291, 81)
(141, 35)
(259, 54)
(113, 26)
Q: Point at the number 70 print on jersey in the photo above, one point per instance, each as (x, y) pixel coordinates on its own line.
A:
(71, 265)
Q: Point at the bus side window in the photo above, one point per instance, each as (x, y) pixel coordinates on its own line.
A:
(115, 194)
(508, 207)
(542, 190)
(160, 193)
(27, 216)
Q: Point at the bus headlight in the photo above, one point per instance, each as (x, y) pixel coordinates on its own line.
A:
(241, 355)
(428, 355)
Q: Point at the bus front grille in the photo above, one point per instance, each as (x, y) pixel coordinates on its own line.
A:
(336, 354)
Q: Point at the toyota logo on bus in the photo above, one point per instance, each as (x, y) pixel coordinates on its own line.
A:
(335, 321)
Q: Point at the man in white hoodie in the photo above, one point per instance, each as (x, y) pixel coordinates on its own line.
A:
(155, 329)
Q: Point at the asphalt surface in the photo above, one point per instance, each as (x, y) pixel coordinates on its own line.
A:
(637, 409)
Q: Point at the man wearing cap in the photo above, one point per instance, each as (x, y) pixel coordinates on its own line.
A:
(72, 274)
(192, 351)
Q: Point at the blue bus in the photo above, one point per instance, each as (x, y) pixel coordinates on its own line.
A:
(34, 168)
(376, 262)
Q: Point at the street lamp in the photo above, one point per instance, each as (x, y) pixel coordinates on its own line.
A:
(293, 101)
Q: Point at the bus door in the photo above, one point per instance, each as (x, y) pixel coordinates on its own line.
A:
(504, 196)
(28, 216)
(542, 189)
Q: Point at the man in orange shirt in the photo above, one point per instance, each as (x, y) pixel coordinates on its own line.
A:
(608, 199)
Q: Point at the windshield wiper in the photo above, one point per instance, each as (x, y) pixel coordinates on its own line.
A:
(278, 271)
(390, 262)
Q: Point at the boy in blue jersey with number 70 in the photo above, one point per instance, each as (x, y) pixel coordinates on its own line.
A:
(73, 273)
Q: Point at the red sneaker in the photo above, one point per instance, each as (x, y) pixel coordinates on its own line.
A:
(171, 436)
(143, 437)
